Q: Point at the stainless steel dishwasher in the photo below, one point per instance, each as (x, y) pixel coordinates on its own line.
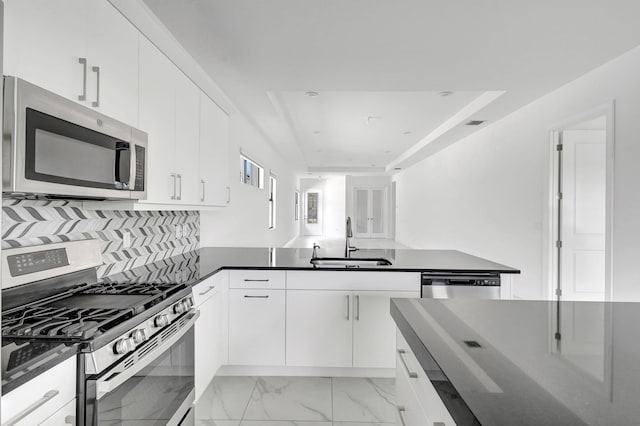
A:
(448, 285)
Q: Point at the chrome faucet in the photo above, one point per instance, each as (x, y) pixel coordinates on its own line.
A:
(349, 233)
(315, 247)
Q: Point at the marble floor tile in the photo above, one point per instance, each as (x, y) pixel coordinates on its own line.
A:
(225, 399)
(362, 424)
(201, 422)
(283, 423)
(290, 398)
(364, 400)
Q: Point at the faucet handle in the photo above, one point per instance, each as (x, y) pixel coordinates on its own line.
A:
(315, 246)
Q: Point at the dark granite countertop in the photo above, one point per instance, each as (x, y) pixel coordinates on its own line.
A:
(538, 362)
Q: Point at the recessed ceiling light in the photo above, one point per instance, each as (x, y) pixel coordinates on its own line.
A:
(318, 150)
(475, 122)
(397, 168)
(445, 93)
(309, 173)
(373, 118)
(312, 94)
(387, 152)
(316, 132)
(408, 132)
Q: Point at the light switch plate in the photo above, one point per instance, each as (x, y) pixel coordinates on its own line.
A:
(126, 239)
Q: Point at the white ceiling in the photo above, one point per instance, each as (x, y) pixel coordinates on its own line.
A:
(390, 59)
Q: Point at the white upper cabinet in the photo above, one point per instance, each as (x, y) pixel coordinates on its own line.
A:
(157, 118)
(84, 50)
(187, 140)
(214, 154)
(43, 42)
(112, 53)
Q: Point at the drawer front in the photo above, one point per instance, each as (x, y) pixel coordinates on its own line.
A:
(408, 408)
(353, 280)
(258, 279)
(42, 396)
(64, 416)
(207, 288)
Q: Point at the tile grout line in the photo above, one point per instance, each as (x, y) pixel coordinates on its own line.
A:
(249, 399)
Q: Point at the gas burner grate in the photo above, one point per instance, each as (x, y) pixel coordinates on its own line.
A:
(130, 289)
(52, 322)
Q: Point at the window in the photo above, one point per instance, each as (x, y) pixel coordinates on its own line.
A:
(272, 201)
(251, 173)
(296, 214)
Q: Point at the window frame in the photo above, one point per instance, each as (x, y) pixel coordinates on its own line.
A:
(253, 166)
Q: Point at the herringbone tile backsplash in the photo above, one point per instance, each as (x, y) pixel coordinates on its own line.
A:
(153, 233)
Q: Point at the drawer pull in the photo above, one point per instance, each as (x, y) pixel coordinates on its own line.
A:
(202, 293)
(70, 420)
(411, 374)
(256, 297)
(401, 411)
(247, 280)
(33, 407)
(439, 424)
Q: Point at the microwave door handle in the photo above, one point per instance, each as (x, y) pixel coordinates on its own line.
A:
(132, 167)
(103, 387)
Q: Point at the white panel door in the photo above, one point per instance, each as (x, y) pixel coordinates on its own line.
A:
(583, 215)
(214, 154)
(313, 212)
(157, 118)
(113, 47)
(187, 139)
(43, 41)
(370, 211)
(256, 327)
(319, 328)
(374, 331)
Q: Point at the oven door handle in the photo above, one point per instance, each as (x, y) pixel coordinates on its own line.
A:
(121, 374)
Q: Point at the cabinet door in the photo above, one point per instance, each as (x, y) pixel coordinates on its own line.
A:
(374, 331)
(256, 327)
(113, 47)
(206, 351)
(43, 41)
(157, 118)
(187, 138)
(64, 416)
(214, 153)
(319, 328)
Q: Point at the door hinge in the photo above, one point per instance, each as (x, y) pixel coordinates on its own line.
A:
(558, 244)
(559, 147)
(558, 292)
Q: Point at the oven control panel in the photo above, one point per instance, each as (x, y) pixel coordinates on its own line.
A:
(36, 261)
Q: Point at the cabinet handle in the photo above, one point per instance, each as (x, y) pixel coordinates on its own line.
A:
(256, 297)
(96, 104)
(348, 307)
(411, 374)
(401, 411)
(438, 424)
(70, 420)
(203, 191)
(179, 186)
(358, 307)
(246, 280)
(33, 407)
(228, 194)
(83, 62)
(202, 293)
(173, 175)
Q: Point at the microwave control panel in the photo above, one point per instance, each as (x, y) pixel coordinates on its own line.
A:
(28, 263)
(140, 161)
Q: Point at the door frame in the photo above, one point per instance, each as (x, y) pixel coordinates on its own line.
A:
(550, 258)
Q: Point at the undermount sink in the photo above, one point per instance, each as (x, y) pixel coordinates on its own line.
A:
(350, 262)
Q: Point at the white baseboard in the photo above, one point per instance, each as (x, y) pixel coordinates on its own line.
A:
(251, 370)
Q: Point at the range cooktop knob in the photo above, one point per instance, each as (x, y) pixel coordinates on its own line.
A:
(189, 302)
(161, 320)
(124, 346)
(139, 335)
(180, 307)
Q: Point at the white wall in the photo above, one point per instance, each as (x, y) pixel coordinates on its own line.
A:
(245, 221)
(488, 194)
(333, 208)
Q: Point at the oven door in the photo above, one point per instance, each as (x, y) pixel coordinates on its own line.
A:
(152, 386)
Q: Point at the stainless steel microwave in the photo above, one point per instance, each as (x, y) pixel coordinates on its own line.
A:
(53, 147)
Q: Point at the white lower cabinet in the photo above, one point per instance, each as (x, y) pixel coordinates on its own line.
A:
(417, 401)
(211, 329)
(64, 416)
(42, 397)
(257, 327)
(319, 328)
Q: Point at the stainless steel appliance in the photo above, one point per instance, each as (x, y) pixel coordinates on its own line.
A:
(136, 339)
(448, 285)
(54, 147)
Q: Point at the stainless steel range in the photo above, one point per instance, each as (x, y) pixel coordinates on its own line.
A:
(135, 340)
